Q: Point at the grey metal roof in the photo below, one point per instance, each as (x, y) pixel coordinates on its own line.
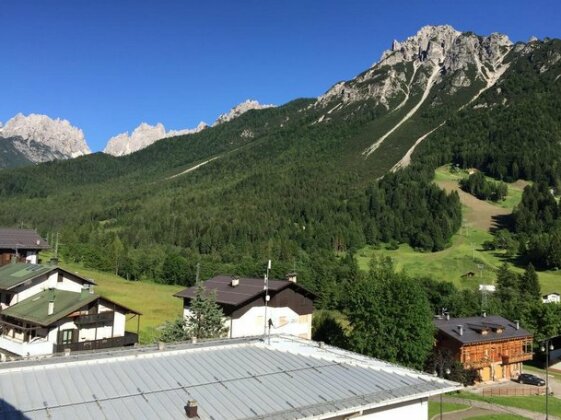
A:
(472, 327)
(21, 239)
(287, 379)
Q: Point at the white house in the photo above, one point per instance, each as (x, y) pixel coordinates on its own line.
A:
(46, 309)
(23, 245)
(286, 378)
(551, 298)
(288, 311)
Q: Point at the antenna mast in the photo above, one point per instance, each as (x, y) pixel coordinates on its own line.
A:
(266, 288)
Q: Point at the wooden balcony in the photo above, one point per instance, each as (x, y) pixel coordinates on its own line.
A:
(507, 359)
(98, 319)
(128, 339)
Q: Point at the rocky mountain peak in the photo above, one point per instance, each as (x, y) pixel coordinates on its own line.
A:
(143, 136)
(240, 109)
(433, 53)
(58, 138)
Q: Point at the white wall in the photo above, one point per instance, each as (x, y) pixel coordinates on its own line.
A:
(285, 321)
(50, 282)
(413, 410)
(31, 257)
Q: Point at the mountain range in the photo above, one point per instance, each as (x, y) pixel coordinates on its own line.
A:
(316, 175)
(38, 138)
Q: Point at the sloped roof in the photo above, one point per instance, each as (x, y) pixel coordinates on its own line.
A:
(12, 275)
(234, 379)
(246, 290)
(35, 308)
(21, 239)
(472, 327)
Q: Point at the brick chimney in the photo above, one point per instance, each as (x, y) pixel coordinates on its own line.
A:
(191, 409)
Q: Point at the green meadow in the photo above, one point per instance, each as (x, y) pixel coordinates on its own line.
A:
(464, 263)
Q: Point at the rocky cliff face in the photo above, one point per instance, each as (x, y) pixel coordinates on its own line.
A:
(40, 138)
(240, 109)
(143, 136)
(423, 60)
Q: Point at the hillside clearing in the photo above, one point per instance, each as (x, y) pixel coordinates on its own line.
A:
(464, 263)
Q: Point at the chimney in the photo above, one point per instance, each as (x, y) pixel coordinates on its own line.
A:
(484, 314)
(291, 277)
(84, 292)
(447, 316)
(51, 308)
(517, 324)
(53, 261)
(235, 282)
(461, 329)
(191, 409)
(161, 345)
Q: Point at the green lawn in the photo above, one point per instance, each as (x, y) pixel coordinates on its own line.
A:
(155, 301)
(531, 402)
(497, 417)
(434, 407)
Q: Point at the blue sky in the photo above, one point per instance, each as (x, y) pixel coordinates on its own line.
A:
(107, 65)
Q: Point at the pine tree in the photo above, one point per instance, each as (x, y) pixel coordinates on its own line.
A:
(205, 318)
(529, 283)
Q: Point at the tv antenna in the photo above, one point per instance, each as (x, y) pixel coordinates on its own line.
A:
(267, 297)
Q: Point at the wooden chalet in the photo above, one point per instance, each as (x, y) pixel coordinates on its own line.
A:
(493, 345)
(20, 245)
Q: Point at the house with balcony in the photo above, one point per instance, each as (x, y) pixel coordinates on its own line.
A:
(493, 345)
(286, 308)
(46, 309)
(21, 245)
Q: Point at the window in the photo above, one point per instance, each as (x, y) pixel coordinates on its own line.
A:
(66, 337)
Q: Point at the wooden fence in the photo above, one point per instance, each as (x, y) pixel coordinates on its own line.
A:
(512, 391)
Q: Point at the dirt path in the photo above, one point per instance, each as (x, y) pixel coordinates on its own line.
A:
(495, 408)
(481, 214)
(406, 160)
(192, 168)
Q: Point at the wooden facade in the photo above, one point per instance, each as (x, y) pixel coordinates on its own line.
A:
(495, 350)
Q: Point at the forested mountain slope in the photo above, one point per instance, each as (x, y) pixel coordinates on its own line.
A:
(297, 182)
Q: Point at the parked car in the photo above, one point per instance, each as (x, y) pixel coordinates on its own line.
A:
(528, 378)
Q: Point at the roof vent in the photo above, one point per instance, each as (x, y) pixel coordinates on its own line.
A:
(235, 282)
(191, 409)
(461, 329)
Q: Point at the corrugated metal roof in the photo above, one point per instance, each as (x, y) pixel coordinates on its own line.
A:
(21, 239)
(288, 379)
